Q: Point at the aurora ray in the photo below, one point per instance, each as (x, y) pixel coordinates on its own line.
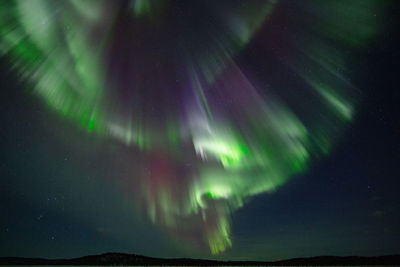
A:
(170, 85)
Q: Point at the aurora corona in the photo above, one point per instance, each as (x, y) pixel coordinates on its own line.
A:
(170, 85)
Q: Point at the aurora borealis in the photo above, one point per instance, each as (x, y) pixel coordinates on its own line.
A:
(197, 106)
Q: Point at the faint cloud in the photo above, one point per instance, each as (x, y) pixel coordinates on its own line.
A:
(379, 213)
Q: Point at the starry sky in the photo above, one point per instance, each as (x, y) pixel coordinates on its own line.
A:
(241, 130)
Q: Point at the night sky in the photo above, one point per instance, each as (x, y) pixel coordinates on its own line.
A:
(238, 130)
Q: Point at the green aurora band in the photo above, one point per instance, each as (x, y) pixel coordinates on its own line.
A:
(252, 145)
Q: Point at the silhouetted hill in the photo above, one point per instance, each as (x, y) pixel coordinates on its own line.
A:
(132, 259)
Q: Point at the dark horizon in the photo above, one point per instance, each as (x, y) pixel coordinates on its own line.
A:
(133, 259)
(263, 130)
